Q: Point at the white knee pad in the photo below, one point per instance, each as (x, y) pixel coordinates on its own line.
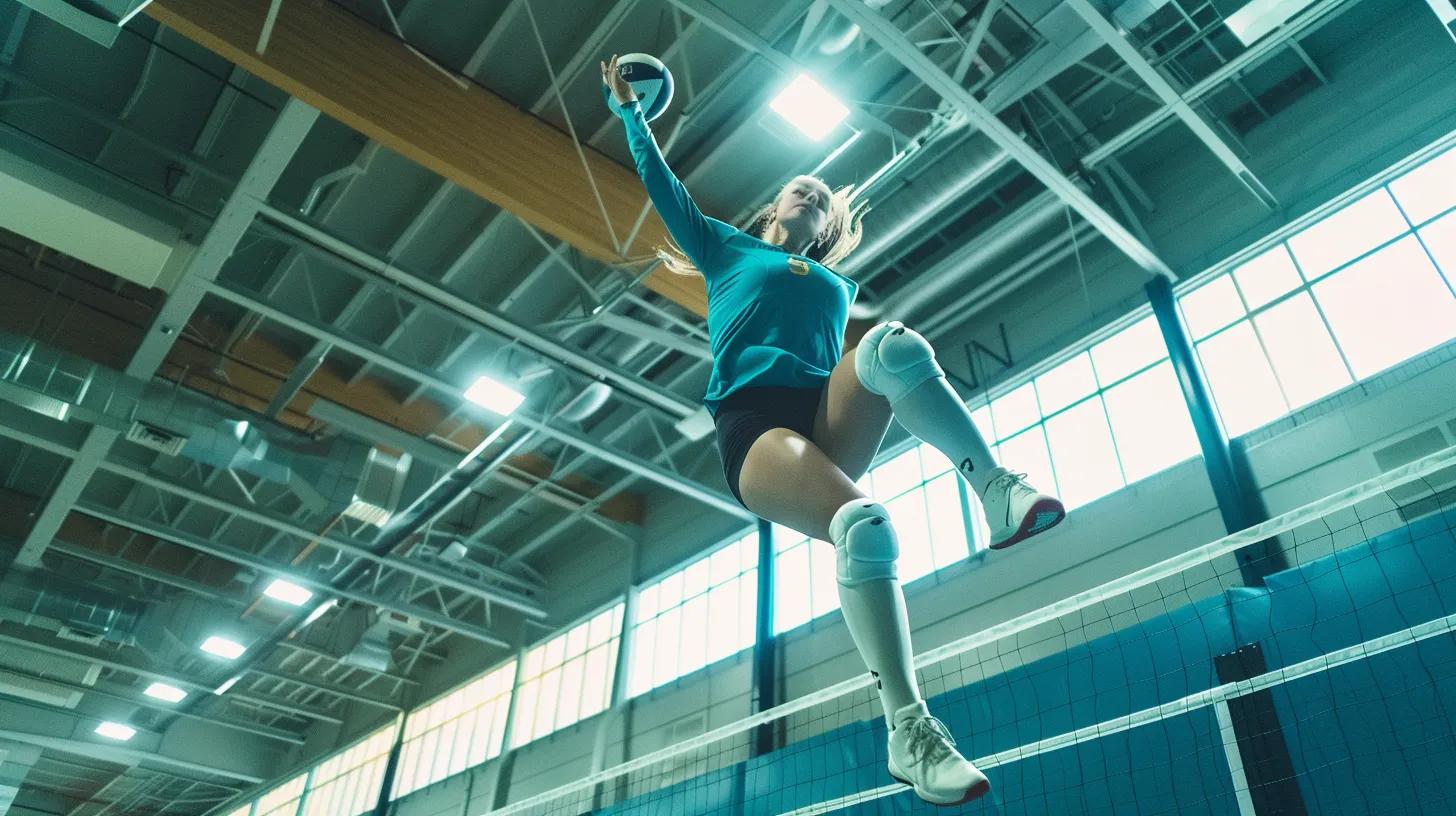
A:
(892, 360)
(865, 542)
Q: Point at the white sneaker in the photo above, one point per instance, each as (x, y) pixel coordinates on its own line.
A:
(923, 755)
(1016, 511)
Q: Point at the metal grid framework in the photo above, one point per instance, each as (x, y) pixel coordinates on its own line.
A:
(301, 277)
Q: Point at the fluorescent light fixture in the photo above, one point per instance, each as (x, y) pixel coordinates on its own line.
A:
(224, 648)
(165, 693)
(1260, 17)
(318, 611)
(116, 731)
(495, 396)
(227, 684)
(810, 107)
(288, 592)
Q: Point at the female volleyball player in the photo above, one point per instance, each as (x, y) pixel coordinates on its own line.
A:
(798, 422)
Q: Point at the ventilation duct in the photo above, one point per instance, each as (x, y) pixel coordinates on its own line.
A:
(36, 690)
(361, 637)
(898, 217)
(951, 272)
(839, 33)
(73, 610)
(343, 473)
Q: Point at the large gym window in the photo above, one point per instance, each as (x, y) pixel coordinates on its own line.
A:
(348, 784)
(1099, 420)
(458, 731)
(282, 800)
(568, 678)
(695, 616)
(1357, 292)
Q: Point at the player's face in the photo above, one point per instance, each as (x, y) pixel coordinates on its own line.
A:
(803, 206)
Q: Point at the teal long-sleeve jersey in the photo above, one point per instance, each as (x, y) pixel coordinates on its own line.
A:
(774, 318)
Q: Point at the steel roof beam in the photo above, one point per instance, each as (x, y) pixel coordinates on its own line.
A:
(636, 465)
(282, 141)
(897, 44)
(1172, 100)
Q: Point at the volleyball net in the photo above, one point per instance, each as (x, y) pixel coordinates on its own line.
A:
(1175, 688)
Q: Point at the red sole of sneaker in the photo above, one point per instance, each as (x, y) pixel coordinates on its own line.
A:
(1043, 516)
(973, 793)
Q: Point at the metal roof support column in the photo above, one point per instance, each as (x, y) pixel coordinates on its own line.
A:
(206, 261)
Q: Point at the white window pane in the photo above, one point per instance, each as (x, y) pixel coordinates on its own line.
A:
(644, 650)
(669, 644)
(527, 698)
(747, 608)
(546, 709)
(947, 530)
(1267, 276)
(569, 699)
(1082, 452)
(553, 653)
(1150, 422)
(647, 603)
(1211, 307)
(1027, 453)
(1388, 307)
(748, 551)
(1440, 239)
(1066, 384)
(1344, 236)
(786, 538)
(1015, 411)
(600, 631)
(907, 513)
(577, 636)
(722, 636)
(694, 650)
(1299, 346)
(1241, 380)
(724, 564)
(897, 475)
(596, 681)
(1428, 190)
(933, 462)
(695, 578)
(1133, 348)
(791, 588)
(824, 585)
(670, 593)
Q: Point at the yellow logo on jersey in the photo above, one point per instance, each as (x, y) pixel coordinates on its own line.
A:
(798, 266)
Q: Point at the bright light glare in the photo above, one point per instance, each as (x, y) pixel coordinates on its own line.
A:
(495, 396)
(162, 691)
(288, 592)
(319, 611)
(116, 731)
(227, 684)
(224, 648)
(808, 106)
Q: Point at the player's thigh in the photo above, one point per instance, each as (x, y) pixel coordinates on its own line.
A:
(788, 479)
(852, 421)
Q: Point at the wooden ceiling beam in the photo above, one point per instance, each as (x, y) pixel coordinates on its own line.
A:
(370, 81)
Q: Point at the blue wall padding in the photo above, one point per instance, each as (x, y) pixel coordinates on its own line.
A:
(1391, 582)
(1376, 736)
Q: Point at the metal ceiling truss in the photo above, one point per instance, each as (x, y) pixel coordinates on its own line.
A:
(895, 42)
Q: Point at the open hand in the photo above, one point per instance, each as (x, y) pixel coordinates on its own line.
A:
(621, 91)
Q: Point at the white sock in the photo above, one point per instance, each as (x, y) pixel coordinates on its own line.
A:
(875, 613)
(935, 415)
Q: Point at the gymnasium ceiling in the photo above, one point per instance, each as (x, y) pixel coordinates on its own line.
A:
(322, 294)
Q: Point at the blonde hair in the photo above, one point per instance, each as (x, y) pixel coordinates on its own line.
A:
(841, 234)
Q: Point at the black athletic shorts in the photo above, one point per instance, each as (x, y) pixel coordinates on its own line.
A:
(746, 414)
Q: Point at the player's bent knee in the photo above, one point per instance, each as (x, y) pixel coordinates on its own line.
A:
(892, 360)
(864, 542)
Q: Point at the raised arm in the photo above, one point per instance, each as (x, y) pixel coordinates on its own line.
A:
(698, 235)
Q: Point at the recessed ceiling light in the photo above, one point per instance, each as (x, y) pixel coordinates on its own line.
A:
(288, 592)
(167, 693)
(222, 647)
(495, 396)
(116, 731)
(810, 107)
